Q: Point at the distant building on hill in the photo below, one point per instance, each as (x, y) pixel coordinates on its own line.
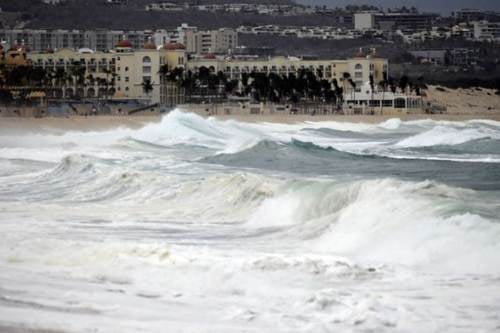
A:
(471, 15)
(463, 57)
(255, 51)
(394, 21)
(487, 31)
(197, 42)
(165, 7)
(53, 2)
(98, 40)
(116, 2)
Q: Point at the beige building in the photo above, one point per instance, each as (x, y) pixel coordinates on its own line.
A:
(121, 73)
(117, 75)
(211, 41)
(359, 68)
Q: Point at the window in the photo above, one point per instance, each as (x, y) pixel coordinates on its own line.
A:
(126, 89)
(358, 67)
(146, 69)
(126, 79)
(126, 69)
(399, 103)
(146, 60)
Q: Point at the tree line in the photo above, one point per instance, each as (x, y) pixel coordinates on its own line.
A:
(202, 85)
(53, 81)
(306, 85)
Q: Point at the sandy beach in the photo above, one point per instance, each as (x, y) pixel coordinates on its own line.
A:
(462, 105)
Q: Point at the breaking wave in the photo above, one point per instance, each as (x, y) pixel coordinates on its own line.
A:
(441, 135)
(416, 223)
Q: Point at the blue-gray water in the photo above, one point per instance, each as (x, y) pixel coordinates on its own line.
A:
(196, 225)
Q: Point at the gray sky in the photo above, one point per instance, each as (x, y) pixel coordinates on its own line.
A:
(443, 6)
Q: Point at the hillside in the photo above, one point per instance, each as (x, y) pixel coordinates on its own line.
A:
(93, 14)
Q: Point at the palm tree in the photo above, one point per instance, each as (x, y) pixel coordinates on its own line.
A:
(164, 71)
(147, 87)
(346, 77)
(383, 83)
(244, 83)
(403, 83)
(339, 92)
(419, 86)
(188, 82)
(353, 85)
(372, 88)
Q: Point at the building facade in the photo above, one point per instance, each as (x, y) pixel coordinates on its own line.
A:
(120, 74)
(471, 15)
(97, 40)
(219, 41)
(487, 31)
(197, 42)
(359, 68)
(394, 21)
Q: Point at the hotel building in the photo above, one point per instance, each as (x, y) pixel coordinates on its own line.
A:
(359, 68)
(120, 74)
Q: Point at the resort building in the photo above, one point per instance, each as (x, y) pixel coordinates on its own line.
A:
(359, 68)
(371, 100)
(120, 74)
(142, 75)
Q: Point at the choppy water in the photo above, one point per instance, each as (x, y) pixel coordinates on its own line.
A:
(194, 225)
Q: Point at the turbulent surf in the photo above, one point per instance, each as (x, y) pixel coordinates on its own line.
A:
(203, 225)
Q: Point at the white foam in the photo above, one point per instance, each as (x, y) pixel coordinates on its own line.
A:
(441, 135)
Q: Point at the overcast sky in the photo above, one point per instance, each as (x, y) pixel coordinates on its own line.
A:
(443, 6)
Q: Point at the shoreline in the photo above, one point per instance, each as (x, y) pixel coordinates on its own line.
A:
(372, 119)
(106, 122)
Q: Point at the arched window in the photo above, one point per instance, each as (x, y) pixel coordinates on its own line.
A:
(358, 67)
(146, 60)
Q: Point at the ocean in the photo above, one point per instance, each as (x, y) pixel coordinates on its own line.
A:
(204, 225)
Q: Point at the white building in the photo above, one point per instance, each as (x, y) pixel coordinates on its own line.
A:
(364, 21)
(203, 42)
(487, 31)
(165, 6)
